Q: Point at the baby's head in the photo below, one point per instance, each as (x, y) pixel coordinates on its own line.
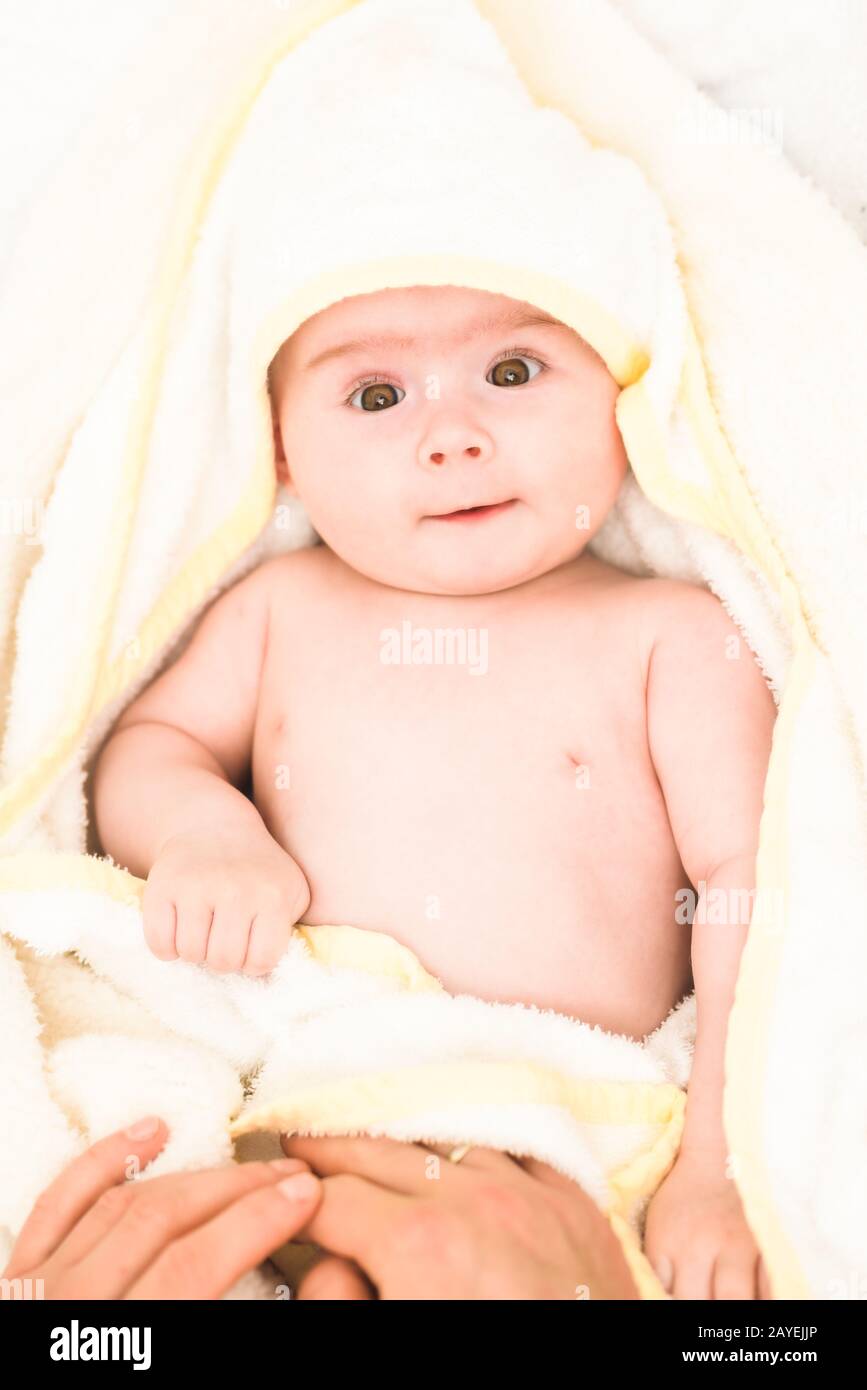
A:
(394, 411)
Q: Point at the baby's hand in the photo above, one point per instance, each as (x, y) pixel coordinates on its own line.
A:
(225, 899)
(697, 1237)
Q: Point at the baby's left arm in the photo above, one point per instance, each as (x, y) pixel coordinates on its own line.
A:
(710, 718)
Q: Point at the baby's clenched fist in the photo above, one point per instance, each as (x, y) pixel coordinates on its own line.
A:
(223, 899)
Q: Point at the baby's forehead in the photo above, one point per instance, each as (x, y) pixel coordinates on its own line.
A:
(413, 311)
(412, 300)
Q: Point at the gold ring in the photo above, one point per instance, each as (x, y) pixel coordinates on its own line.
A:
(458, 1152)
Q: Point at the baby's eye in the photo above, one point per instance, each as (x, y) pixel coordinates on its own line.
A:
(513, 371)
(376, 396)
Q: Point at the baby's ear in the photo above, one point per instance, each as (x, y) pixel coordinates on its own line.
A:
(281, 467)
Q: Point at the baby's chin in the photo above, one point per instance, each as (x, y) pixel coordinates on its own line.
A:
(481, 557)
(454, 575)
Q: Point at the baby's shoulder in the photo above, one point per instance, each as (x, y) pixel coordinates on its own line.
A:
(658, 604)
(307, 590)
(674, 609)
(678, 615)
(670, 615)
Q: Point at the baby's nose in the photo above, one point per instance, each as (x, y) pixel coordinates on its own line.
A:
(470, 450)
(456, 438)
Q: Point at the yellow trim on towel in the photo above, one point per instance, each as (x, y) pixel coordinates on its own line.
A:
(374, 953)
(38, 871)
(364, 1101)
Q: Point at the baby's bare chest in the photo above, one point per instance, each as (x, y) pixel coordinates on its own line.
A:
(406, 725)
(430, 760)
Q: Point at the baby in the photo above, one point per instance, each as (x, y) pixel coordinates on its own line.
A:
(457, 725)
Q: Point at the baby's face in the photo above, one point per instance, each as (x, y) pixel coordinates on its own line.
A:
(396, 411)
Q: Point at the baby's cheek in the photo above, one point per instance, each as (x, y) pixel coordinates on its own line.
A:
(606, 467)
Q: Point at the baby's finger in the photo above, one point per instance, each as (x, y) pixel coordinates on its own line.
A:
(66, 1200)
(734, 1274)
(269, 937)
(160, 921)
(762, 1280)
(205, 1263)
(227, 943)
(663, 1267)
(693, 1276)
(335, 1280)
(298, 890)
(193, 930)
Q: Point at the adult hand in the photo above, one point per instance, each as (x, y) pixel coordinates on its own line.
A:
(399, 1221)
(91, 1235)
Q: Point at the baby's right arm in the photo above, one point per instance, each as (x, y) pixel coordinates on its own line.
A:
(219, 887)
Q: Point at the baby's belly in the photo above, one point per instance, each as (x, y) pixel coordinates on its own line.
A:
(506, 877)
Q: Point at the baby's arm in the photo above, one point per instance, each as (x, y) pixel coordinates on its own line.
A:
(219, 887)
(710, 718)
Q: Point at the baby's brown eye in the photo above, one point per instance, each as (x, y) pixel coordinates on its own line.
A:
(377, 396)
(513, 371)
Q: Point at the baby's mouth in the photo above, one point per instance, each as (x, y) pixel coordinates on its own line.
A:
(466, 514)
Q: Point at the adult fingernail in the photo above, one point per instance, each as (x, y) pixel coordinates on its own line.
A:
(300, 1187)
(144, 1129)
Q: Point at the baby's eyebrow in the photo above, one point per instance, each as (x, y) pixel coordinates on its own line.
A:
(377, 341)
